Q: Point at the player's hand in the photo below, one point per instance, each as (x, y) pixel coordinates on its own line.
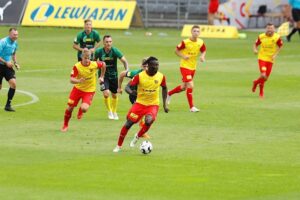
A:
(81, 80)
(202, 58)
(120, 90)
(274, 56)
(134, 93)
(17, 66)
(255, 51)
(9, 65)
(92, 50)
(101, 80)
(186, 57)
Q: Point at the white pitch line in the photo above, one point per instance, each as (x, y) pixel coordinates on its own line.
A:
(34, 98)
(161, 63)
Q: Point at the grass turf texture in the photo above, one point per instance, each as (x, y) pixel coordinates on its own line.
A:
(237, 147)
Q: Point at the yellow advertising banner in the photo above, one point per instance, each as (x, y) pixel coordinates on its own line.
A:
(208, 31)
(71, 13)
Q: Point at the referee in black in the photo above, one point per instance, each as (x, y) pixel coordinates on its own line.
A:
(8, 59)
(296, 17)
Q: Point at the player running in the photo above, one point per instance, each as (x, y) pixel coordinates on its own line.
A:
(270, 45)
(83, 77)
(147, 102)
(188, 50)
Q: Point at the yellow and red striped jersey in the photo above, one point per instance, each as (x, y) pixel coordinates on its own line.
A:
(148, 87)
(88, 73)
(192, 49)
(268, 46)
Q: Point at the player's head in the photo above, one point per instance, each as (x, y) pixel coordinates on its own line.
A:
(13, 34)
(85, 56)
(270, 29)
(88, 25)
(152, 65)
(144, 64)
(107, 41)
(195, 31)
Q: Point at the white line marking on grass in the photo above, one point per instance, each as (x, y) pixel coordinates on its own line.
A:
(34, 98)
(161, 63)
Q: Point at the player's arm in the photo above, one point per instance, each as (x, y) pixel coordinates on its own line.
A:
(203, 53)
(8, 64)
(73, 77)
(164, 92)
(178, 51)
(120, 81)
(134, 82)
(125, 63)
(255, 45)
(14, 58)
(102, 67)
(76, 45)
(280, 45)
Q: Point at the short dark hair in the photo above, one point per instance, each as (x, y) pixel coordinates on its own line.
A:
(269, 24)
(106, 36)
(151, 61)
(87, 20)
(195, 26)
(12, 29)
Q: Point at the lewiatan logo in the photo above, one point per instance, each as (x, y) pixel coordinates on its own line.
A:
(46, 10)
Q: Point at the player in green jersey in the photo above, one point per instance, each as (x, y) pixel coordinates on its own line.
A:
(110, 56)
(88, 38)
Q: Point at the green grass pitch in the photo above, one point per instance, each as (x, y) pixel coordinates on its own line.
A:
(237, 148)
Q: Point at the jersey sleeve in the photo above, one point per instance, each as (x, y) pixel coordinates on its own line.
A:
(257, 42)
(97, 54)
(164, 82)
(135, 81)
(279, 42)
(77, 38)
(202, 48)
(100, 64)
(118, 53)
(74, 72)
(1, 45)
(181, 46)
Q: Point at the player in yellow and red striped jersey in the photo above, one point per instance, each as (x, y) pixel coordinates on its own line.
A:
(149, 82)
(270, 44)
(83, 77)
(189, 50)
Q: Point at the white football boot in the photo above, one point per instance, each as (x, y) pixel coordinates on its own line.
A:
(134, 141)
(194, 109)
(117, 149)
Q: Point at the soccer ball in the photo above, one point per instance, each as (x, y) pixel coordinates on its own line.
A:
(146, 147)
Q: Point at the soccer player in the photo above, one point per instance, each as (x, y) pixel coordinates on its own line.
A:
(270, 45)
(147, 103)
(295, 4)
(88, 38)
(188, 50)
(110, 56)
(8, 59)
(130, 74)
(83, 77)
(212, 11)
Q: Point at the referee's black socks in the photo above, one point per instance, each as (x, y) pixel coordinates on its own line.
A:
(10, 96)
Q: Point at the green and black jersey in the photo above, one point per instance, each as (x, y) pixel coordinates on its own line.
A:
(87, 41)
(111, 59)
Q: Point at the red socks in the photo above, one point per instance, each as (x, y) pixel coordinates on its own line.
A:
(122, 136)
(175, 90)
(143, 130)
(67, 117)
(189, 95)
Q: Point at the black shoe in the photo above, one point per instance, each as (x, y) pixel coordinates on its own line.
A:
(9, 109)
(288, 38)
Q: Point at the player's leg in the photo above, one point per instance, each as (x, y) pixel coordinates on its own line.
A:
(189, 96)
(150, 113)
(185, 73)
(74, 98)
(296, 17)
(265, 75)
(11, 91)
(262, 68)
(133, 116)
(87, 99)
(113, 87)
(106, 95)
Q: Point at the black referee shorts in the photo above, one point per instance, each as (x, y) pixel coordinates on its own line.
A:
(296, 14)
(7, 73)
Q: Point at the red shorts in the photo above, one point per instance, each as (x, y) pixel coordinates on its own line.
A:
(137, 111)
(187, 74)
(213, 7)
(76, 95)
(265, 67)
